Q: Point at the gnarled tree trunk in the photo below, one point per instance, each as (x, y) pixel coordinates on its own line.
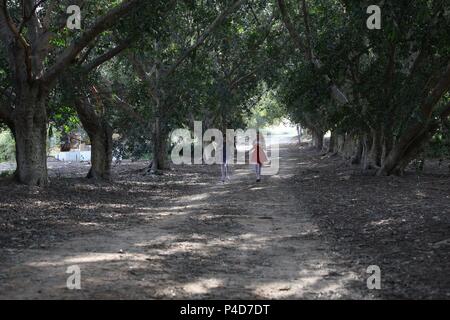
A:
(388, 142)
(358, 151)
(159, 149)
(332, 146)
(366, 146)
(101, 152)
(100, 134)
(405, 150)
(317, 137)
(30, 131)
(376, 150)
(410, 142)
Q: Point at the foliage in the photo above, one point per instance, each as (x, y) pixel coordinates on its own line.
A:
(7, 146)
(248, 72)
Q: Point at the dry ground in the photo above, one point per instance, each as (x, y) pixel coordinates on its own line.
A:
(309, 232)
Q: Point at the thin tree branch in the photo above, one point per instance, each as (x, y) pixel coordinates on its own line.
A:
(6, 21)
(298, 42)
(107, 56)
(102, 24)
(30, 15)
(441, 88)
(217, 22)
(336, 93)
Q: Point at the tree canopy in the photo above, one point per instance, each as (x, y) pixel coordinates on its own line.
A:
(140, 69)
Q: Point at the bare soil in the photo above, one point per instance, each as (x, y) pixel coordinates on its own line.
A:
(309, 232)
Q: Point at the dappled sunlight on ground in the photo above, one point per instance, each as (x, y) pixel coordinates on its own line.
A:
(202, 286)
(187, 235)
(88, 258)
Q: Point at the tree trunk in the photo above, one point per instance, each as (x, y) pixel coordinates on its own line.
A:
(406, 149)
(357, 157)
(299, 134)
(159, 149)
(101, 152)
(366, 146)
(30, 127)
(100, 134)
(376, 150)
(332, 146)
(65, 142)
(317, 136)
(388, 143)
(418, 132)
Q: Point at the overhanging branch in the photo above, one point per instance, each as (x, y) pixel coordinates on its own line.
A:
(102, 24)
(107, 56)
(217, 22)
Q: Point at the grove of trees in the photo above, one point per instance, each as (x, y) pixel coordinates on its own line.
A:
(141, 68)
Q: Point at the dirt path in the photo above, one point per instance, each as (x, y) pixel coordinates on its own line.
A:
(235, 240)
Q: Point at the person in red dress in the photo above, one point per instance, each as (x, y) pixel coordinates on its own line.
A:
(258, 155)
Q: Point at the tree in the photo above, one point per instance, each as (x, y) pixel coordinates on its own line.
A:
(156, 65)
(38, 52)
(396, 79)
